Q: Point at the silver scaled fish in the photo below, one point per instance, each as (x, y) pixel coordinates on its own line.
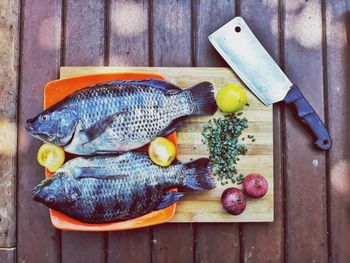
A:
(108, 188)
(120, 116)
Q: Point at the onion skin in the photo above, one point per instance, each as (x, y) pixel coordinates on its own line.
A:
(255, 185)
(233, 200)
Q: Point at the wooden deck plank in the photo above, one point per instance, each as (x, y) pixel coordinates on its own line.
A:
(9, 42)
(171, 46)
(84, 46)
(263, 19)
(337, 23)
(84, 32)
(128, 44)
(129, 246)
(82, 247)
(306, 224)
(128, 33)
(40, 60)
(7, 255)
(223, 11)
(227, 235)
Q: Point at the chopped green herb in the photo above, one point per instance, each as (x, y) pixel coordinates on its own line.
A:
(222, 136)
(239, 113)
(253, 140)
(247, 104)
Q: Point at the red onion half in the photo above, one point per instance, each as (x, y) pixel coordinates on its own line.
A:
(255, 185)
(233, 201)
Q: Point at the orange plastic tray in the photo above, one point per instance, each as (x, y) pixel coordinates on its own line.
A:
(55, 91)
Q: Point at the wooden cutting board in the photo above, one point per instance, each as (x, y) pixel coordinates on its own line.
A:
(206, 206)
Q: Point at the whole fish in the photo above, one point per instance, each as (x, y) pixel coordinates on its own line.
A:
(120, 116)
(106, 188)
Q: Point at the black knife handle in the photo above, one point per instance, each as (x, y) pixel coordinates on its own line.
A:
(310, 118)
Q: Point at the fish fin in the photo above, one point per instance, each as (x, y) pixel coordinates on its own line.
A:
(203, 97)
(169, 198)
(100, 126)
(166, 87)
(198, 175)
(98, 172)
(176, 123)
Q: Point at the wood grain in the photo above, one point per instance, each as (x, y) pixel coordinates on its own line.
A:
(306, 234)
(171, 37)
(7, 255)
(227, 235)
(9, 28)
(82, 247)
(128, 33)
(130, 246)
(206, 206)
(263, 18)
(128, 44)
(38, 241)
(338, 54)
(84, 45)
(84, 33)
(205, 11)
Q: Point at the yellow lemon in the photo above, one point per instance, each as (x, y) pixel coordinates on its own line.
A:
(231, 98)
(50, 156)
(162, 151)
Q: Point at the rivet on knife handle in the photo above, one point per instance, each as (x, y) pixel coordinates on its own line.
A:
(310, 118)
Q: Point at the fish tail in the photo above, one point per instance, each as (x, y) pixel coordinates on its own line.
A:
(204, 99)
(198, 175)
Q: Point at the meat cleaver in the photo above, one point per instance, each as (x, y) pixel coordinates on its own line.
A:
(237, 44)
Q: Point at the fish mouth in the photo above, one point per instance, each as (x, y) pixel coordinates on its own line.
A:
(35, 192)
(37, 134)
(28, 126)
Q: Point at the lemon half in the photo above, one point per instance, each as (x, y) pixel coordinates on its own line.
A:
(162, 151)
(51, 156)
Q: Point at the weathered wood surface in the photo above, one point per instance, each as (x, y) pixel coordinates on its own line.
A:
(9, 43)
(7, 255)
(337, 29)
(305, 166)
(37, 239)
(310, 41)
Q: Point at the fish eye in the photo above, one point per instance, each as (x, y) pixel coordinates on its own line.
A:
(44, 117)
(51, 199)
